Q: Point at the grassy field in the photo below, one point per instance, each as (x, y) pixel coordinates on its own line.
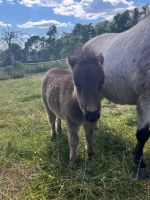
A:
(32, 167)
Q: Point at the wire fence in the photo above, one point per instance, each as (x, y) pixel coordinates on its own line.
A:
(20, 70)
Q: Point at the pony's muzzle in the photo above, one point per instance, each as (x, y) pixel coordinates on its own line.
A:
(92, 116)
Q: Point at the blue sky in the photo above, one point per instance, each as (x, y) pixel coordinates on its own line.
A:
(35, 16)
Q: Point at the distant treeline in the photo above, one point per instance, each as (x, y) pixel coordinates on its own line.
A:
(50, 47)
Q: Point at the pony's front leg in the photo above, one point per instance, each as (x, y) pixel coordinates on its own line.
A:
(73, 142)
(89, 131)
(142, 136)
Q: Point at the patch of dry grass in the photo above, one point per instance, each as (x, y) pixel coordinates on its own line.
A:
(13, 178)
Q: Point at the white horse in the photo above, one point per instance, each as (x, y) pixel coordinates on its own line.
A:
(127, 76)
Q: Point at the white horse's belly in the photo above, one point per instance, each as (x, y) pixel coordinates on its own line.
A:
(120, 93)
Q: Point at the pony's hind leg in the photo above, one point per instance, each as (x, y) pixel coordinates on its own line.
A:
(142, 135)
(58, 125)
(52, 119)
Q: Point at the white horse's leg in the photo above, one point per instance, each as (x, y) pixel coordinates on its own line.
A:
(142, 135)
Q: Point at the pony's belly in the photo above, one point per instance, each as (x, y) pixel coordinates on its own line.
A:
(53, 100)
(119, 95)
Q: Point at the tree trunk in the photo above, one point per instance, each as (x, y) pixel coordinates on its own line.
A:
(11, 56)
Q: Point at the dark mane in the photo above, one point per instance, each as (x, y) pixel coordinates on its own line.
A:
(146, 14)
(88, 60)
(82, 56)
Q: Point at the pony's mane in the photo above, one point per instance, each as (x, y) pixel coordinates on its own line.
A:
(82, 56)
(145, 15)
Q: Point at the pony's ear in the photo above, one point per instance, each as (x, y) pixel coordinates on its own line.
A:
(72, 60)
(100, 59)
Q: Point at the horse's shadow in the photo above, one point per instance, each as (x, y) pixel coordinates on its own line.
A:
(112, 168)
(112, 151)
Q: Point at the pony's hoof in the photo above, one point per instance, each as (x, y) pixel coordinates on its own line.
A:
(72, 165)
(142, 174)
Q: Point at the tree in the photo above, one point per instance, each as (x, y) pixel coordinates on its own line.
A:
(51, 41)
(32, 43)
(10, 36)
(51, 35)
(33, 46)
(17, 53)
(135, 16)
(121, 22)
(84, 32)
(126, 20)
(69, 41)
(103, 27)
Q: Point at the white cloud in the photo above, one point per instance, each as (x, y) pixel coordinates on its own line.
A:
(115, 2)
(4, 24)
(46, 3)
(83, 9)
(78, 11)
(9, 1)
(44, 24)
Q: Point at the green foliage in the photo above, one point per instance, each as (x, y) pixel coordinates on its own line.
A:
(17, 72)
(12, 72)
(32, 41)
(17, 53)
(121, 22)
(103, 27)
(51, 47)
(135, 16)
(32, 167)
(84, 32)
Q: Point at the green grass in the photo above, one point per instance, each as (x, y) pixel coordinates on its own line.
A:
(21, 70)
(32, 167)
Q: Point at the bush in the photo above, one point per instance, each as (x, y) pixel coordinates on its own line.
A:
(19, 70)
(16, 71)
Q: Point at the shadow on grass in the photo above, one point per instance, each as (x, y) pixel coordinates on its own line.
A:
(31, 97)
(106, 144)
(108, 176)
